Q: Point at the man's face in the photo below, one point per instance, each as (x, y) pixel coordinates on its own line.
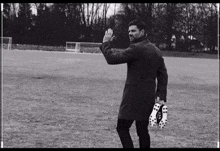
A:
(134, 33)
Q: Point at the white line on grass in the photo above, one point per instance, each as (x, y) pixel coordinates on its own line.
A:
(84, 53)
(59, 52)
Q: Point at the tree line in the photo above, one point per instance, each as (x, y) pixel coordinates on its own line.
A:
(180, 26)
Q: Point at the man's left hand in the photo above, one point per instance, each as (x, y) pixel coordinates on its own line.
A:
(108, 35)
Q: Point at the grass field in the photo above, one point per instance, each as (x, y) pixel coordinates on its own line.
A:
(68, 100)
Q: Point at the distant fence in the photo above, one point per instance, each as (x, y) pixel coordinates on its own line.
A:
(96, 50)
(52, 48)
(37, 47)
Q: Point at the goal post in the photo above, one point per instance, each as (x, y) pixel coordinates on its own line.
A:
(73, 46)
(6, 43)
(82, 46)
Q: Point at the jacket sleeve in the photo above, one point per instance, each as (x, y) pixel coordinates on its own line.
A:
(162, 80)
(118, 56)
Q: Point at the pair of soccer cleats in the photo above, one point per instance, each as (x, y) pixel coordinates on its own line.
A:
(158, 117)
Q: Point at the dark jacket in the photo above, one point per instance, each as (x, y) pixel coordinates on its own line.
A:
(146, 77)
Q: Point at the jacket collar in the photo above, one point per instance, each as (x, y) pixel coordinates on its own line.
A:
(144, 38)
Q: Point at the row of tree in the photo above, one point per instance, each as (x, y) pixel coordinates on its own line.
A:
(53, 24)
(195, 25)
(181, 26)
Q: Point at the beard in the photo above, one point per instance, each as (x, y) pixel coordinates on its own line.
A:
(131, 38)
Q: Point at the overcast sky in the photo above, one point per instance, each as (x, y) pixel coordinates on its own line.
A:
(109, 13)
(111, 9)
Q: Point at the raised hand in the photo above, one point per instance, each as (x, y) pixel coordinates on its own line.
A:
(108, 35)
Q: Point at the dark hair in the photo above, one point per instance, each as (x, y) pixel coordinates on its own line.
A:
(140, 25)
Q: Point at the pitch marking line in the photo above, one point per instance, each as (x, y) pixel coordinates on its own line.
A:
(87, 53)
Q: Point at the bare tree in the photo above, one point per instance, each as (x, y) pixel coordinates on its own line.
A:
(89, 12)
(104, 14)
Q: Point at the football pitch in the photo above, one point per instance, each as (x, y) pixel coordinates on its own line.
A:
(69, 100)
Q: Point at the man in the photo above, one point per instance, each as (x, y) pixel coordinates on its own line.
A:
(145, 64)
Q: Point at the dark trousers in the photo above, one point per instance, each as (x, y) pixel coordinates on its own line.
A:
(123, 127)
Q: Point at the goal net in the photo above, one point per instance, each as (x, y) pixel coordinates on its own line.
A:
(87, 47)
(6, 43)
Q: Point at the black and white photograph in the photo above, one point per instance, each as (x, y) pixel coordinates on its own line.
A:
(110, 75)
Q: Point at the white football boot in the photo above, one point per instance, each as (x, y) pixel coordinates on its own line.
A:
(163, 121)
(153, 118)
